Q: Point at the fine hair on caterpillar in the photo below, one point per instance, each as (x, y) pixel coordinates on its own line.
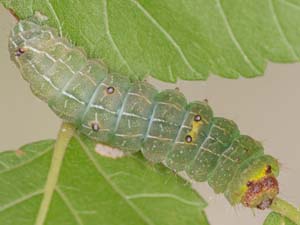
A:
(133, 116)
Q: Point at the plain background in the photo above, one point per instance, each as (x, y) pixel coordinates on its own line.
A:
(266, 108)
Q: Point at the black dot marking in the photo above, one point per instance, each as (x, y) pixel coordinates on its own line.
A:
(110, 90)
(20, 51)
(188, 138)
(269, 169)
(95, 126)
(197, 118)
(249, 183)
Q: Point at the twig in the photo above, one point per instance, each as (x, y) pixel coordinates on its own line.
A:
(286, 209)
(64, 136)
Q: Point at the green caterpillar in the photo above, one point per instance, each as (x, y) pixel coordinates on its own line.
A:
(133, 116)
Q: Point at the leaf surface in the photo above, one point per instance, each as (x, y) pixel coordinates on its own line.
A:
(93, 190)
(171, 39)
(277, 219)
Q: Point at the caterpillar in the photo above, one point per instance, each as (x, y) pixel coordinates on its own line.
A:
(133, 116)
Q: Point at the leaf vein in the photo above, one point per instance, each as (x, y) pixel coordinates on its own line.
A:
(120, 173)
(113, 43)
(235, 40)
(20, 200)
(27, 162)
(31, 6)
(4, 165)
(293, 5)
(55, 17)
(167, 35)
(114, 187)
(280, 30)
(69, 205)
(171, 75)
(164, 195)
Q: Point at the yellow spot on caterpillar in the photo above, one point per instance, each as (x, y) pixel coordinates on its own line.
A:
(258, 176)
(196, 126)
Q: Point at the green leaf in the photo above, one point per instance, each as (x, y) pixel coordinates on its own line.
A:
(172, 39)
(92, 189)
(277, 219)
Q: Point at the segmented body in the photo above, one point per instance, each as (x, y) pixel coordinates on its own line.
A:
(133, 116)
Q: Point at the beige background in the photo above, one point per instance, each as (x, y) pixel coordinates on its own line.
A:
(267, 108)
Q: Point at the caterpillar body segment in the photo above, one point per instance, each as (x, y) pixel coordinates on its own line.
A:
(133, 116)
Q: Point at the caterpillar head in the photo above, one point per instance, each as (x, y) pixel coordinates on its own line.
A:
(261, 193)
(256, 186)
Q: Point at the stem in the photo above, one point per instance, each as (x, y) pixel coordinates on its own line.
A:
(286, 209)
(64, 136)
